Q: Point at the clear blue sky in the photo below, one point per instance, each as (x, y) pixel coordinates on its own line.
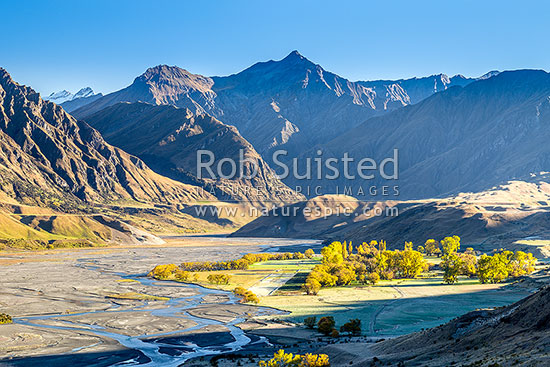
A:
(54, 45)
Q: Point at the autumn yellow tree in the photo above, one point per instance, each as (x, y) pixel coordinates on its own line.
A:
(452, 265)
(450, 244)
(282, 359)
(521, 263)
(409, 263)
(492, 269)
(332, 254)
(431, 247)
(345, 253)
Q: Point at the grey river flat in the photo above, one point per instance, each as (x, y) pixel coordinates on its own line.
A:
(66, 310)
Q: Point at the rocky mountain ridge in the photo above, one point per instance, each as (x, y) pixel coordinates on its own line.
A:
(462, 139)
(48, 157)
(277, 104)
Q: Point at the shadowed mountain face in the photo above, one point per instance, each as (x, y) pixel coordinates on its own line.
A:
(168, 139)
(453, 134)
(418, 89)
(462, 139)
(292, 103)
(47, 156)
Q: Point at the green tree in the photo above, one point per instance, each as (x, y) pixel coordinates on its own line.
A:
(353, 327)
(326, 324)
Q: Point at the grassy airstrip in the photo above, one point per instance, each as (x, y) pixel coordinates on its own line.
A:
(396, 307)
(389, 308)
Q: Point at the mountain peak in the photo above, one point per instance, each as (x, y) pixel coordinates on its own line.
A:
(84, 92)
(294, 57)
(295, 53)
(165, 71)
(173, 80)
(293, 61)
(69, 159)
(66, 96)
(4, 75)
(62, 93)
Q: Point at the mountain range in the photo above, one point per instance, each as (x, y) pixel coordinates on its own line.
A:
(287, 104)
(48, 157)
(296, 105)
(462, 139)
(453, 134)
(90, 169)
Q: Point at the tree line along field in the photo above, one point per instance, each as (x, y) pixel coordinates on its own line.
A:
(242, 277)
(411, 290)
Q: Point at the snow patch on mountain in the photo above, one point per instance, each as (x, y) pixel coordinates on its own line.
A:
(65, 95)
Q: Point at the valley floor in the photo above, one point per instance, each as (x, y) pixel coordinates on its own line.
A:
(84, 305)
(80, 304)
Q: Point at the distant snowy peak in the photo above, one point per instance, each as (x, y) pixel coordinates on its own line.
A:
(84, 92)
(65, 96)
(60, 97)
(488, 75)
